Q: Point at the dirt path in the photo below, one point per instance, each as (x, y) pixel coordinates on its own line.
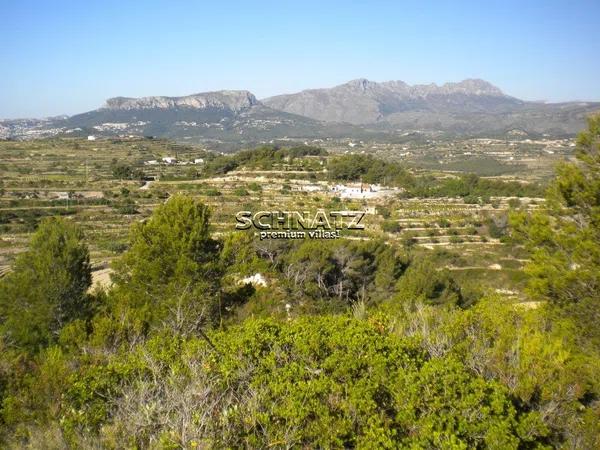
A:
(101, 278)
(146, 185)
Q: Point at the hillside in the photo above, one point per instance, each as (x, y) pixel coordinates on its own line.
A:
(468, 107)
(360, 109)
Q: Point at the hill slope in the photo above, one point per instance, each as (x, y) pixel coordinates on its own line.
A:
(357, 109)
(470, 106)
(221, 115)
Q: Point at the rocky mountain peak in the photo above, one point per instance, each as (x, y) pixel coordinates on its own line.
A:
(362, 101)
(232, 100)
(361, 84)
(473, 86)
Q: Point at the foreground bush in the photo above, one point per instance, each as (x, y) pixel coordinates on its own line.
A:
(327, 382)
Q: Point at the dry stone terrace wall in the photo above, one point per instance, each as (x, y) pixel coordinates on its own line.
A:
(36, 175)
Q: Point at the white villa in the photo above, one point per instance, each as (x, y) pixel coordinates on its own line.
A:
(361, 190)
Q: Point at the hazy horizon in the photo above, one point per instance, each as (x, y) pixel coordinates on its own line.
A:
(69, 57)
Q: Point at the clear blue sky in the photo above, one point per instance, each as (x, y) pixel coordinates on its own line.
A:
(65, 57)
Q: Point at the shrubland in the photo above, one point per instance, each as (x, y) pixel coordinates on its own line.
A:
(265, 158)
(348, 344)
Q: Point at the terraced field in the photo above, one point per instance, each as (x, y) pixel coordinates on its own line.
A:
(84, 181)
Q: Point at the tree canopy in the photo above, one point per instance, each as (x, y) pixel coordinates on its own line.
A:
(47, 287)
(171, 271)
(564, 238)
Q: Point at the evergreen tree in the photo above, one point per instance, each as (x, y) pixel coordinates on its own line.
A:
(47, 287)
(564, 238)
(170, 275)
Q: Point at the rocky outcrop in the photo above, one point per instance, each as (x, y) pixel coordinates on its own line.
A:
(364, 102)
(235, 101)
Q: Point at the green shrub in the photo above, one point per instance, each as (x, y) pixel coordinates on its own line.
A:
(322, 382)
(255, 187)
(240, 191)
(514, 203)
(444, 223)
(391, 226)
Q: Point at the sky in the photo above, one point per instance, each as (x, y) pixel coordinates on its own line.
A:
(67, 57)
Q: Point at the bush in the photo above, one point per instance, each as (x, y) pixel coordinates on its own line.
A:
(255, 187)
(256, 377)
(408, 241)
(385, 212)
(125, 172)
(391, 226)
(514, 203)
(444, 223)
(240, 191)
(422, 281)
(127, 206)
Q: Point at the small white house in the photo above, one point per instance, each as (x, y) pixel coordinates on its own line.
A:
(169, 160)
(199, 161)
(152, 162)
(91, 138)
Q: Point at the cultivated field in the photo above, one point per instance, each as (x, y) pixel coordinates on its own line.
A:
(91, 183)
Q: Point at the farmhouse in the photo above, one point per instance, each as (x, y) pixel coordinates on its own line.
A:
(360, 190)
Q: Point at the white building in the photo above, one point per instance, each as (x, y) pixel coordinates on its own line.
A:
(364, 191)
(91, 138)
(169, 160)
(307, 188)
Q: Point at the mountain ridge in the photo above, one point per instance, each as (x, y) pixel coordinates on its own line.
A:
(359, 108)
(235, 100)
(362, 101)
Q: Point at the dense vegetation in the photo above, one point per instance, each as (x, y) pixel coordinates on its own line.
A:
(564, 240)
(349, 343)
(265, 157)
(371, 170)
(471, 187)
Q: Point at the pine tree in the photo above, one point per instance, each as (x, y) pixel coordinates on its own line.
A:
(47, 287)
(564, 238)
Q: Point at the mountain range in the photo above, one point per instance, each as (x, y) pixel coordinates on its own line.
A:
(359, 108)
(362, 101)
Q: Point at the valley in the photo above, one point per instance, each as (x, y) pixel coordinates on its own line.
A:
(108, 184)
